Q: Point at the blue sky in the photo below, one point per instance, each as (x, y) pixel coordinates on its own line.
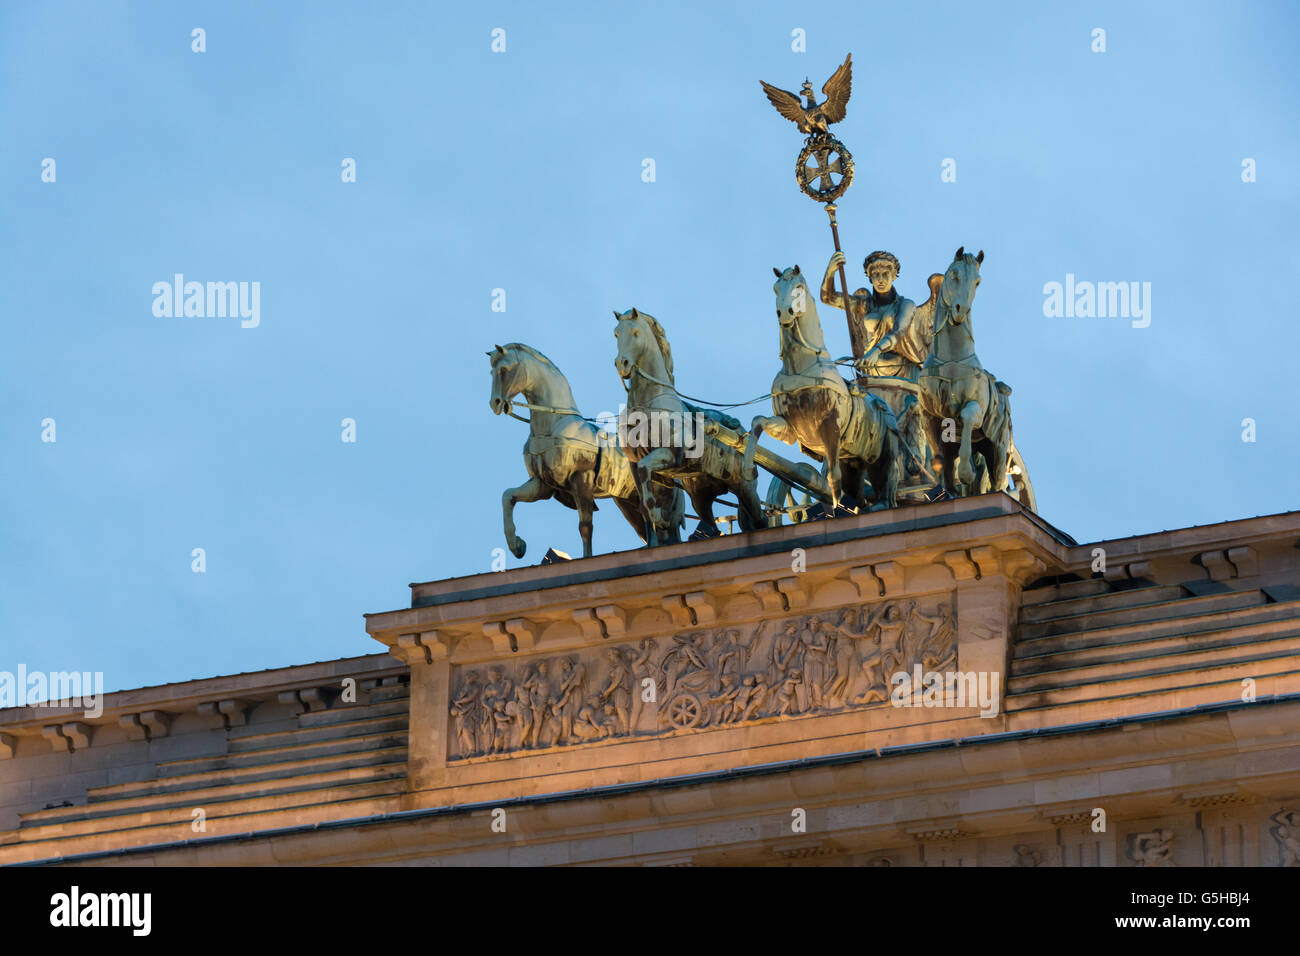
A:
(522, 170)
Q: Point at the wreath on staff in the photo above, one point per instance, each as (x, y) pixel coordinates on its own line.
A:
(823, 147)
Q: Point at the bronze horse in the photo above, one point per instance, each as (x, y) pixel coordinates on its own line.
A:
(567, 457)
(856, 434)
(955, 388)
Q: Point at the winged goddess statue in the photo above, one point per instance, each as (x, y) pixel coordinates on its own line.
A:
(815, 117)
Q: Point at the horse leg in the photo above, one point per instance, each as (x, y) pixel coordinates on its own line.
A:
(777, 427)
(854, 481)
(534, 489)
(971, 413)
(648, 526)
(949, 454)
(909, 426)
(751, 508)
(635, 515)
(876, 474)
(702, 493)
(673, 502)
(747, 469)
(585, 509)
(829, 433)
(996, 457)
(583, 488)
(980, 462)
(945, 452)
(644, 471)
(889, 472)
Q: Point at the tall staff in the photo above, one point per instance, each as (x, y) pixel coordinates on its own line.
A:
(855, 337)
(824, 169)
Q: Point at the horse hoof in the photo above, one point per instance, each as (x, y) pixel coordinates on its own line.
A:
(519, 547)
(705, 530)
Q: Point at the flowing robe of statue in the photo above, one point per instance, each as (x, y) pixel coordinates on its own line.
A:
(886, 320)
(890, 334)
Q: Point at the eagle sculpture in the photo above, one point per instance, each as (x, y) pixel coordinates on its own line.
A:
(815, 117)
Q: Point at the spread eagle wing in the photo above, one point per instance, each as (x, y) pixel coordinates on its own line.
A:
(837, 90)
(787, 104)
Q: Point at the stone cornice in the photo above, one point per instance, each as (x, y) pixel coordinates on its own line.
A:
(190, 695)
(917, 550)
(1278, 530)
(629, 565)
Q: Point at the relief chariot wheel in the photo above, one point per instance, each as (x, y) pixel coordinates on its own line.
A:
(826, 179)
(686, 711)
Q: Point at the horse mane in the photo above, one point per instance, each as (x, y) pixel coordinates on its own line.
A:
(662, 338)
(533, 352)
(564, 389)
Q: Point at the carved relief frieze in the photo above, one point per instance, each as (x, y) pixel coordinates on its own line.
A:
(1155, 848)
(1027, 855)
(699, 678)
(1287, 835)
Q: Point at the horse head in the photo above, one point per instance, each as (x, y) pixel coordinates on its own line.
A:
(519, 369)
(505, 379)
(642, 344)
(959, 284)
(792, 298)
(796, 310)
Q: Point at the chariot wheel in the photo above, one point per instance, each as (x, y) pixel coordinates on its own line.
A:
(824, 168)
(685, 711)
(785, 500)
(1019, 475)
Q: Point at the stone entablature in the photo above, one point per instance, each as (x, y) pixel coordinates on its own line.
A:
(527, 681)
(1137, 670)
(560, 653)
(903, 553)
